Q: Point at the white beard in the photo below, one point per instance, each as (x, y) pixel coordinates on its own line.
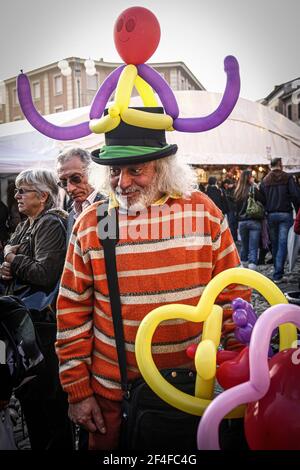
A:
(146, 198)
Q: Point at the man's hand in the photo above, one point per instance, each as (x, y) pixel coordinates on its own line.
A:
(6, 273)
(88, 414)
(10, 249)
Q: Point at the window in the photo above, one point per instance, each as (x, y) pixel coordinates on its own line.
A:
(15, 97)
(36, 90)
(58, 109)
(58, 85)
(173, 79)
(92, 82)
(289, 111)
(17, 118)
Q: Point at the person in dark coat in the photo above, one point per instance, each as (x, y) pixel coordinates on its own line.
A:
(33, 262)
(217, 195)
(73, 167)
(228, 189)
(3, 228)
(249, 228)
(282, 194)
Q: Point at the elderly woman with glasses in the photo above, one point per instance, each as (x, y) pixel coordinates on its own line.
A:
(33, 262)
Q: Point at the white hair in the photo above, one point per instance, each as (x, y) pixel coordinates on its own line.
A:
(173, 176)
(43, 180)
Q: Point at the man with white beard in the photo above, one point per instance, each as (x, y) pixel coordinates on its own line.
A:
(172, 241)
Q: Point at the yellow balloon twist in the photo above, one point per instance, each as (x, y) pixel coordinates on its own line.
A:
(125, 86)
(145, 91)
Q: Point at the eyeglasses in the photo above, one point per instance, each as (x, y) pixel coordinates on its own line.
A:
(74, 179)
(22, 191)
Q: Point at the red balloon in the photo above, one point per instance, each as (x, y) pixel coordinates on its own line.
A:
(234, 371)
(225, 355)
(273, 423)
(136, 35)
(191, 350)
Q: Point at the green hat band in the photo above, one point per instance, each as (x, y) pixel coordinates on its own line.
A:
(120, 151)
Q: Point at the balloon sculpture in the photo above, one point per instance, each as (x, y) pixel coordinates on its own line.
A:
(136, 36)
(272, 391)
(244, 317)
(206, 354)
(251, 380)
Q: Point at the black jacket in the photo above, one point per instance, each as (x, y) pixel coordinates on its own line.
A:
(41, 255)
(280, 191)
(218, 197)
(71, 219)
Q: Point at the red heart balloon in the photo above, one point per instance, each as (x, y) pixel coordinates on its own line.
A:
(225, 355)
(234, 371)
(273, 423)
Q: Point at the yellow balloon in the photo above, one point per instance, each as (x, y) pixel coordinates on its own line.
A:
(104, 124)
(145, 91)
(205, 359)
(200, 313)
(212, 329)
(125, 86)
(252, 279)
(147, 120)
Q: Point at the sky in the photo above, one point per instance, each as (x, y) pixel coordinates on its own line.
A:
(262, 34)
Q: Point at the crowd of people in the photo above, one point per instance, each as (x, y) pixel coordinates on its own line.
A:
(279, 196)
(52, 247)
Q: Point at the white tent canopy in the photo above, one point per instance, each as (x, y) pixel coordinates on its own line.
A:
(250, 136)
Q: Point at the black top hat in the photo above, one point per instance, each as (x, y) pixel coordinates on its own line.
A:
(131, 144)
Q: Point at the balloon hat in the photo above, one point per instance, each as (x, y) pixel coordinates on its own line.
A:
(130, 144)
(136, 35)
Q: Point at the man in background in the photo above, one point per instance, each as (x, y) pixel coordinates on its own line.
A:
(281, 195)
(73, 172)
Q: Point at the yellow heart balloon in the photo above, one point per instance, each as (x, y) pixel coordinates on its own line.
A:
(211, 315)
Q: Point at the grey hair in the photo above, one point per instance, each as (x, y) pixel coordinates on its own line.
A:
(42, 180)
(174, 176)
(84, 156)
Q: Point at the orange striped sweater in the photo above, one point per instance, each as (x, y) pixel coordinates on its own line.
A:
(154, 268)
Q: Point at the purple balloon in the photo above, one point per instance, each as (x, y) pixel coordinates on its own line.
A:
(243, 334)
(230, 97)
(39, 123)
(103, 94)
(240, 317)
(259, 382)
(161, 87)
(238, 303)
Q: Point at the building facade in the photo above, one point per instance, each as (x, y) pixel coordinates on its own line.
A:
(53, 92)
(285, 99)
